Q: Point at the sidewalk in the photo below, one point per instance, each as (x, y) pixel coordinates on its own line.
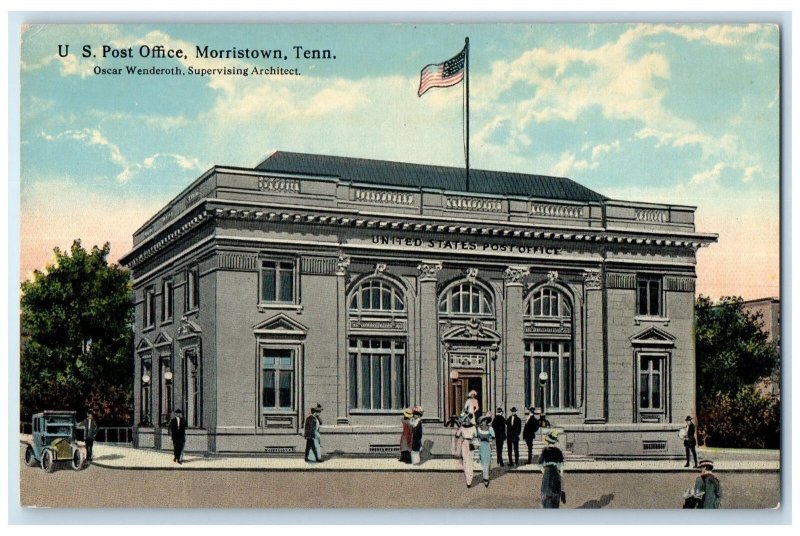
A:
(128, 458)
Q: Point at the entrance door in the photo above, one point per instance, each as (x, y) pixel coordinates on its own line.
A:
(460, 389)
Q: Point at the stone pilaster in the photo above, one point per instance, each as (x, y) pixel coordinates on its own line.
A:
(341, 337)
(594, 328)
(513, 385)
(429, 380)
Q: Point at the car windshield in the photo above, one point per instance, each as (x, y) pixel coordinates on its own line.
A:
(59, 429)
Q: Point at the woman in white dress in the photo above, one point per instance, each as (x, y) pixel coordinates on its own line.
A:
(466, 433)
(472, 406)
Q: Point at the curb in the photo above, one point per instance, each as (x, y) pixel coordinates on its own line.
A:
(423, 470)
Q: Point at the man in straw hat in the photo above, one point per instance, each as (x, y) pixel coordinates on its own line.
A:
(708, 485)
(551, 463)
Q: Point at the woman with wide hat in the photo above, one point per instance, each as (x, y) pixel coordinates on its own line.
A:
(405, 436)
(708, 485)
(472, 406)
(551, 463)
(466, 433)
(485, 435)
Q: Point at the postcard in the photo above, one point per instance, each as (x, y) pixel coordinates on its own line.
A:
(392, 266)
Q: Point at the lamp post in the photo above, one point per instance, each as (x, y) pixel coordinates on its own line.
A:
(543, 377)
(145, 397)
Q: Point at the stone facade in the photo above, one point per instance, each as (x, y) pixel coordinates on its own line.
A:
(288, 290)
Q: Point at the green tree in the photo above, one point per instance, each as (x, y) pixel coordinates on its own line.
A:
(732, 356)
(77, 349)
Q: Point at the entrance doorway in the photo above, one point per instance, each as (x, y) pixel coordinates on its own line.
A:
(459, 392)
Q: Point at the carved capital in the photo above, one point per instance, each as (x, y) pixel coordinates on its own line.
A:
(515, 274)
(591, 279)
(429, 270)
(342, 263)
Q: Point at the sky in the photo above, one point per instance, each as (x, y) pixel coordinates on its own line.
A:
(684, 114)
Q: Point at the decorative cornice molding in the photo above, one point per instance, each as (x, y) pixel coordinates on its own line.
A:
(148, 248)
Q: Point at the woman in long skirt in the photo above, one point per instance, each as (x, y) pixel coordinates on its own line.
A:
(486, 436)
(466, 433)
(416, 434)
(405, 437)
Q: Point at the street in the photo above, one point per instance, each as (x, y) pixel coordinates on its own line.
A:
(102, 487)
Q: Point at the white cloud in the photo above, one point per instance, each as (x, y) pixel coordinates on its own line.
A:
(89, 136)
(92, 136)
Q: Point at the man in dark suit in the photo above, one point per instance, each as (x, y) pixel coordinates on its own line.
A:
(690, 441)
(499, 427)
(311, 433)
(514, 427)
(89, 426)
(177, 431)
(529, 432)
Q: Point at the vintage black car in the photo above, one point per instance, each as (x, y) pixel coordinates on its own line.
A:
(54, 441)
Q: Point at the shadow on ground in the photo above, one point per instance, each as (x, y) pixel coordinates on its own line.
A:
(605, 500)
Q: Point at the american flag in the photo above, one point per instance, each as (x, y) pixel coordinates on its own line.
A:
(444, 74)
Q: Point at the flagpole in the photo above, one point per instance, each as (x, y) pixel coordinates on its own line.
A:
(466, 46)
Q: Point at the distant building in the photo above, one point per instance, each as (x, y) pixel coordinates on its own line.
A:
(369, 286)
(770, 310)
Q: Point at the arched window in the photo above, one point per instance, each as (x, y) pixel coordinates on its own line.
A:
(466, 298)
(549, 302)
(549, 349)
(377, 295)
(377, 346)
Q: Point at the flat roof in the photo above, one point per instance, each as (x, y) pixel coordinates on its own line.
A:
(383, 172)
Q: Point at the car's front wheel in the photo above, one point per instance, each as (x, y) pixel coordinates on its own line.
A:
(78, 459)
(30, 459)
(48, 461)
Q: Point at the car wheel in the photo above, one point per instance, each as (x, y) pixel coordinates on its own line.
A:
(30, 459)
(78, 459)
(48, 461)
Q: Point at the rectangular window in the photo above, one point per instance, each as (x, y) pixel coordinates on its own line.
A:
(377, 373)
(555, 359)
(149, 307)
(166, 300)
(650, 382)
(649, 295)
(277, 282)
(192, 301)
(277, 378)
